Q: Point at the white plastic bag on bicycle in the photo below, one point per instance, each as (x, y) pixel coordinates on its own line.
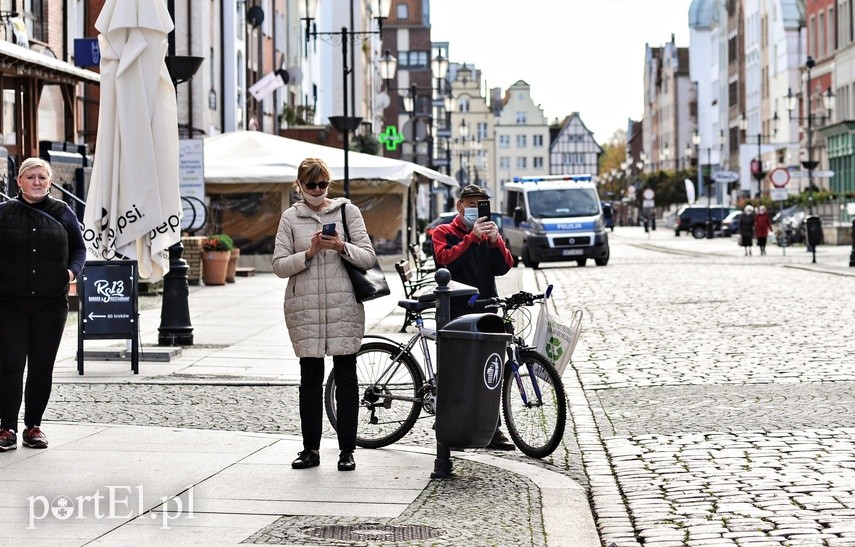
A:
(555, 339)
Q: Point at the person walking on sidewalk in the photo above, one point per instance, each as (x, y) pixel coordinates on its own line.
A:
(321, 311)
(41, 252)
(473, 251)
(762, 227)
(746, 229)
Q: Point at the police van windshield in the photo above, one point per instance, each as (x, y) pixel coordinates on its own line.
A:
(564, 202)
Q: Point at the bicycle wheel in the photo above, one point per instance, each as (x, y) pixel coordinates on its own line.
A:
(389, 395)
(535, 424)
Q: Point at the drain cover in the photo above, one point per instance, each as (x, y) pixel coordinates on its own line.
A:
(373, 532)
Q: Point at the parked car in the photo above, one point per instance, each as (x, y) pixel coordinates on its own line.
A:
(445, 218)
(693, 219)
(730, 224)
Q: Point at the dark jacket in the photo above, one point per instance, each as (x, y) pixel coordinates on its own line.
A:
(39, 243)
(470, 260)
(746, 229)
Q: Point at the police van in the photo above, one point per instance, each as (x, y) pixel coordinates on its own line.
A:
(555, 218)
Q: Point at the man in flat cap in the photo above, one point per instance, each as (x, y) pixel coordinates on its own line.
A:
(474, 253)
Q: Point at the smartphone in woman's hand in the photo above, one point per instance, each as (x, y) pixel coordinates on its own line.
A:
(328, 229)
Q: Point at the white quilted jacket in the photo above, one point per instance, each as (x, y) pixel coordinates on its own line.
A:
(321, 312)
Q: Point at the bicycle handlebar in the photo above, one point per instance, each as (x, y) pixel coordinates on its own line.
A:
(511, 302)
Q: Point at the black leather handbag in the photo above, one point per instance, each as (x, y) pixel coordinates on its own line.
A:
(367, 284)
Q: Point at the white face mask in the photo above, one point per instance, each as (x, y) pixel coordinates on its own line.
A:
(470, 215)
(315, 201)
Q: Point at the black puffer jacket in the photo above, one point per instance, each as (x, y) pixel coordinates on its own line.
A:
(34, 249)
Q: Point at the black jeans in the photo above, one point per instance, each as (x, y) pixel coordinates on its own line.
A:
(312, 400)
(30, 333)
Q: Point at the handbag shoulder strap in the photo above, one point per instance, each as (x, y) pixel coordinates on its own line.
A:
(344, 223)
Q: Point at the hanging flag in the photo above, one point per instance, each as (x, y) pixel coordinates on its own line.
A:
(690, 191)
(267, 85)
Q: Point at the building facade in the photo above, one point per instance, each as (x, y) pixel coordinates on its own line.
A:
(521, 147)
(573, 150)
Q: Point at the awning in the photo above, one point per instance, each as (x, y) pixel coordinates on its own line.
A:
(20, 61)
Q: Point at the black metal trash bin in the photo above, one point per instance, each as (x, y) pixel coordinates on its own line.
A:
(470, 366)
(813, 231)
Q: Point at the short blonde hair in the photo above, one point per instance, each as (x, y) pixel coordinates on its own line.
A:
(31, 163)
(312, 169)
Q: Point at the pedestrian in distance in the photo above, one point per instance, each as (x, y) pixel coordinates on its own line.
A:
(41, 252)
(474, 252)
(762, 227)
(746, 229)
(321, 311)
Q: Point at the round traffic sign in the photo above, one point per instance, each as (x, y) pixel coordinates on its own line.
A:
(779, 177)
(648, 193)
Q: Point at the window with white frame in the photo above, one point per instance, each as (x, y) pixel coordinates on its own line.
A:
(504, 162)
(520, 117)
(521, 162)
(521, 141)
(537, 141)
(482, 131)
(537, 161)
(504, 141)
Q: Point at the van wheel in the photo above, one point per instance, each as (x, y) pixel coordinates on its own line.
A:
(526, 259)
(602, 261)
(699, 232)
(581, 262)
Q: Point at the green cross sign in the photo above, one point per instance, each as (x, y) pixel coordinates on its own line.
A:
(391, 138)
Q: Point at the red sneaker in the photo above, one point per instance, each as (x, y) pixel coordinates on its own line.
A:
(8, 440)
(35, 438)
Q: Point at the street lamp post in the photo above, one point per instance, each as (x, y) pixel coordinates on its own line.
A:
(757, 171)
(828, 100)
(345, 123)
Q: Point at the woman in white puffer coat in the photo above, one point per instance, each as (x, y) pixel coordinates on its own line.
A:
(321, 311)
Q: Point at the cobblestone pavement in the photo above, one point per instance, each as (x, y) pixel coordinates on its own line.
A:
(719, 397)
(711, 399)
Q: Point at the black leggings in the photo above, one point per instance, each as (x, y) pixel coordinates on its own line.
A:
(30, 333)
(312, 400)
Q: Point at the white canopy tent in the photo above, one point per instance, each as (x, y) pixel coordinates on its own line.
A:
(249, 176)
(253, 156)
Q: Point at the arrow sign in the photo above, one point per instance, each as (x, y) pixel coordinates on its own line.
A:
(92, 316)
(816, 174)
(725, 176)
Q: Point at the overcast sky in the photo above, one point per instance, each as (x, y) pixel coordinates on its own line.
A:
(583, 56)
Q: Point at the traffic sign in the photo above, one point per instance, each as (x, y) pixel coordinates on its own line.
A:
(725, 176)
(816, 174)
(778, 194)
(648, 193)
(779, 177)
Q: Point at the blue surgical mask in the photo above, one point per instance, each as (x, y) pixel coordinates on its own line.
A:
(470, 215)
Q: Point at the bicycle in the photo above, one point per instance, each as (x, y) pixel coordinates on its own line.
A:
(395, 388)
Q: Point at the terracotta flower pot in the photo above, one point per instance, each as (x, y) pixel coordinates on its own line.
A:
(215, 264)
(233, 260)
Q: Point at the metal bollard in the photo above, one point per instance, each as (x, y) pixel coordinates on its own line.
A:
(175, 328)
(852, 254)
(443, 467)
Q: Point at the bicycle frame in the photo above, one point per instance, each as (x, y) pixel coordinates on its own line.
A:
(514, 348)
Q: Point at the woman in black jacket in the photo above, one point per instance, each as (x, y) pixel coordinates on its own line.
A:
(41, 252)
(746, 229)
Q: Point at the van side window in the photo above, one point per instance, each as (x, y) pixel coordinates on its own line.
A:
(511, 203)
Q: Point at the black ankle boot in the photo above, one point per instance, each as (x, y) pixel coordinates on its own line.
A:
(345, 461)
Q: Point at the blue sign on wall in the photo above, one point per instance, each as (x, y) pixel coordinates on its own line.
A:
(87, 52)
